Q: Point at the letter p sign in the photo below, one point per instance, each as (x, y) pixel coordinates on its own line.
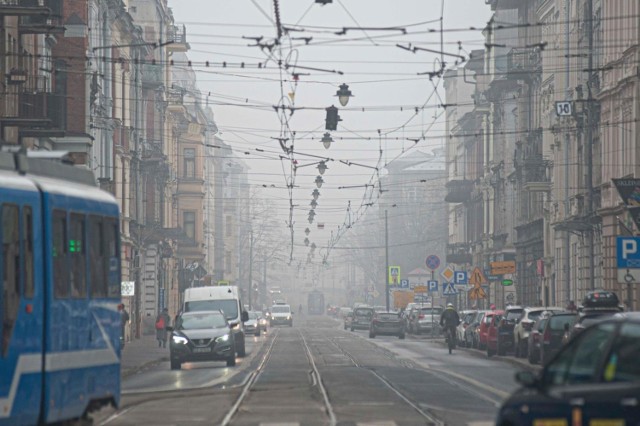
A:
(629, 248)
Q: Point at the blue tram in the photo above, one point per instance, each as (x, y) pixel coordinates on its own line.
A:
(315, 303)
(60, 263)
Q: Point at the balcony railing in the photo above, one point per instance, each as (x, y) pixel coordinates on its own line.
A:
(44, 106)
(523, 61)
(48, 20)
(458, 191)
(177, 35)
(458, 253)
(152, 74)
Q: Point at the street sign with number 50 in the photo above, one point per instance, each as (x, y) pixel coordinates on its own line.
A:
(564, 108)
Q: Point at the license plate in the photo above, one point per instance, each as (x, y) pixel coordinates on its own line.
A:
(201, 350)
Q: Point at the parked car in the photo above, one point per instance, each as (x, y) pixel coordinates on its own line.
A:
(525, 325)
(362, 318)
(425, 319)
(585, 320)
(492, 319)
(472, 332)
(594, 379)
(485, 326)
(201, 336)
(388, 323)
(553, 332)
(348, 319)
(506, 325)
(535, 338)
(465, 319)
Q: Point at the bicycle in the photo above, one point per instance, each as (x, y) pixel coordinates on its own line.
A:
(451, 339)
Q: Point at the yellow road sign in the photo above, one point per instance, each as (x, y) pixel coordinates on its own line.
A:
(394, 275)
(477, 293)
(503, 268)
(477, 277)
(420, 289)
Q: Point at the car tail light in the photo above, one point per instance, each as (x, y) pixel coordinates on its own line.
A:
(547, 336)
(420, 316)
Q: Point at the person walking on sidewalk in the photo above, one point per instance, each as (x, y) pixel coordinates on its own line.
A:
(124, 319)
(162, 322)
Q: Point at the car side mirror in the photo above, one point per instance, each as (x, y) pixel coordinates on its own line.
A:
(245, 316)
(527, 379)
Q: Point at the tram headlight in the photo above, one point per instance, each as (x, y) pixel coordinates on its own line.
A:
(179, 340)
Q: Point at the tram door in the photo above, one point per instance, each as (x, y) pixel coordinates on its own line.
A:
(21, 307)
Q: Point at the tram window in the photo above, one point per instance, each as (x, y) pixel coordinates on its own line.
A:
(78, 258)
(11, 272)
(98, 282)
(27, 223)
(113, 257)
(60, 268)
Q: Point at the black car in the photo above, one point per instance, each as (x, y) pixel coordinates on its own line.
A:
(506, 325)
(361, 318)
(389, 323)
(594, 379)
(201, 336)
(554, 332)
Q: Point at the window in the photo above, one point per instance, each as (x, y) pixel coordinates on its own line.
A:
(623, 365)
(60, 268)
(29, 286)
(98, 284)
(189, 224)
(10, 272)
(112, 258)
(579, 362)
(78, 276)
(189, 163)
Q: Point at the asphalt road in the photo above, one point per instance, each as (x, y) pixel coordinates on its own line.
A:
(317, 374)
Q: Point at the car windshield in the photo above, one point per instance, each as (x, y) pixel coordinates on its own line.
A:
(201, 321)
(557, 322)
(254, 315)
(228, 306)
(513, 315)
(363, 312)
(534, 315)
(430, 311)
(280, 309)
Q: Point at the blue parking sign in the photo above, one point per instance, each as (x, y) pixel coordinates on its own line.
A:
(628, 252)
(460, 277)
(432, 285)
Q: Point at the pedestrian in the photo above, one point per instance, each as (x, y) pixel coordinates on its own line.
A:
(162, 322)
(124, 319)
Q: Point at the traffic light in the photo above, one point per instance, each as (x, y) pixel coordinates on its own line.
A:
(332, 118)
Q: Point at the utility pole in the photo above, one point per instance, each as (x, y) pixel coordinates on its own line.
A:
(589, 141)
(251, 270)
(386, 255)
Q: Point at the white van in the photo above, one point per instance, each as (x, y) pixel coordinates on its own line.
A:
(220, 298)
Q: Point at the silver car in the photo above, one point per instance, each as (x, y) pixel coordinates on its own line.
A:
(425, 320)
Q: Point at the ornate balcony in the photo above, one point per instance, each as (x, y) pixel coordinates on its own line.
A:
(458, 253)
(458, 191)
(521, 62)
(177, 35)
(48, 20)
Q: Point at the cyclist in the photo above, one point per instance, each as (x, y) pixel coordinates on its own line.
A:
(449, 320)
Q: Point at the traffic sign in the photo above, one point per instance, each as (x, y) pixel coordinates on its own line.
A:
(477, 293)
(404, 283)
(420, 289)
(394, 275)
(448, 273)
(628, 252)
(507, 282)
(502, 268)
(433, 262)
(433, 285)
(128, 288)
(564, 108)
(460, 277)
(448, 289)
(477, 277)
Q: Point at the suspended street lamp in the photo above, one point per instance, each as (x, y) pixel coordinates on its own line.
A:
(322, 167)
(313, 246)
(315, 194)
(319, 181)
(344, 94)
(326, 140)
(313, 204)
(306, 241)
(306, 231)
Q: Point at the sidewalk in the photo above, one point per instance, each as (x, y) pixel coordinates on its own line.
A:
(140, 353)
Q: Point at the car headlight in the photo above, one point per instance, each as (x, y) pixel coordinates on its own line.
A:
(179, 340)
(223, 338)
(288, 317)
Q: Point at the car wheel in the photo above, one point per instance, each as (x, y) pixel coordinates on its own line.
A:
(175, 364)
(231, 361)
(240, 348)
(490, 353)
(523, 348)
(345, 327)
(352, 329)
(500, 350)
(401, 336)
(257, 333)
(531, 357)
(372, 335)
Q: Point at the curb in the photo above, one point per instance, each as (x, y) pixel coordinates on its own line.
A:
(511, 360)
(134, 370)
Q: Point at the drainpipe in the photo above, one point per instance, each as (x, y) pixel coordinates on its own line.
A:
(567, 140)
